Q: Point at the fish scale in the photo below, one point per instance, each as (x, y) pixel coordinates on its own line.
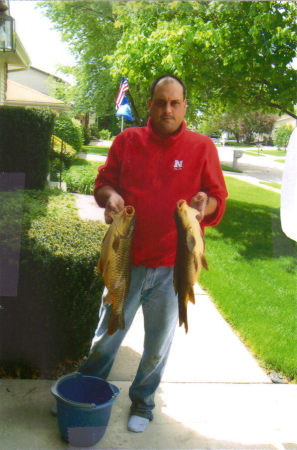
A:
(189, 257)
(114, 265)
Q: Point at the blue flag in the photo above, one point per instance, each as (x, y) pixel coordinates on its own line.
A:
(125, 109)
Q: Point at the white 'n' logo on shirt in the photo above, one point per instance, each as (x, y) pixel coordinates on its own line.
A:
(178, 165)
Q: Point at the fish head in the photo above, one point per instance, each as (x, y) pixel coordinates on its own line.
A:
(126, 221)
(186, 213)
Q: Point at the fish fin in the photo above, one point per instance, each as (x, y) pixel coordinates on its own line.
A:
(196, 264)
(191, 295)
(183, 318)
(116, 243)
(107, 300)
(191, 242)
(184, 321)
(116, 321)
(204, 262)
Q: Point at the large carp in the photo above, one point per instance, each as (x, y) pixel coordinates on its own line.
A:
(189, 257)
(114, 265)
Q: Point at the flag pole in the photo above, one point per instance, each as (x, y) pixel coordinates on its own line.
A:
(122, 124)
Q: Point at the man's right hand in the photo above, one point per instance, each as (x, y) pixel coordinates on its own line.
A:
(114, 204)
(109, 199)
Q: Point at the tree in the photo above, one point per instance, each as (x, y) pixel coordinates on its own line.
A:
(243, 124)
(282, 136)
(88, 28)
(230, 54)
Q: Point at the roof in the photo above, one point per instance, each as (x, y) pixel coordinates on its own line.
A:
(41, 71)
(19, 95)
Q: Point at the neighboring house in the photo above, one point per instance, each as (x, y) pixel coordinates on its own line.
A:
(11, 60)
(285, 119)
(36, 79)
(33, 87)
(19, 95)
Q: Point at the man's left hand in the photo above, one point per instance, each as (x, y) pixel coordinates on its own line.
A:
(199, 202)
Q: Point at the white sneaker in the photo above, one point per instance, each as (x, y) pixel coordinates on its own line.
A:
(137, 424)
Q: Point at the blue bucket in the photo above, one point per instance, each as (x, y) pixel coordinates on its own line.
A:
(83, 407)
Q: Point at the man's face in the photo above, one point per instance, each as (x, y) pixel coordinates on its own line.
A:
(167, 108)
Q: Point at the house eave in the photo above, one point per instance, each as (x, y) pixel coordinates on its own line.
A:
(18, 59)
(55, 106)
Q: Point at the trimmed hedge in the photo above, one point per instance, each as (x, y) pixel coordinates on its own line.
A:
(70, 130)
(55, 313)
(25, 143)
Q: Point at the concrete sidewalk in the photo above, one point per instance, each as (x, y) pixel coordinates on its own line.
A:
(213, 395)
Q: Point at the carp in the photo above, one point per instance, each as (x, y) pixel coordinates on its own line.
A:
(189, 257)
(114, 265)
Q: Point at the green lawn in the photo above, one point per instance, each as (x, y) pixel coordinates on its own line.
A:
(275, 152)
(94, 149)
(253, 275)
(275, 185)
(230, 169)
(81, 176)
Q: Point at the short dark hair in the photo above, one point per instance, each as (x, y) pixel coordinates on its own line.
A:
(154, 84)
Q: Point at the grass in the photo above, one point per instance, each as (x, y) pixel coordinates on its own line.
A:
(280, 160)
(275, 152)
(255, 153)
(95, 150)
(81, 176)
(230, 169)
(275, 185)
(253, 276)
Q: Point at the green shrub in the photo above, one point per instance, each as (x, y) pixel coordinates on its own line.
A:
(70, 130)
(57, 162)
(54, 315)
(25, 143)
(86, 136)
(282, 136)
(105, 135)
(94, 130)
(80, 178)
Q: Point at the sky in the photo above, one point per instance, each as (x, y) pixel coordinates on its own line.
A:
(42, 43)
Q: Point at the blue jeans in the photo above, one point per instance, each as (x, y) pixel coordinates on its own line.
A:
(152, 288)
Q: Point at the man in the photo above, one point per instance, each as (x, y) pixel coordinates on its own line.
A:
(152, 168)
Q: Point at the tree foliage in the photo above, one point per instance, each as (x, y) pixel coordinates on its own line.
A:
(245, 125)
(282, 136)
(88, 28)
(229, 53)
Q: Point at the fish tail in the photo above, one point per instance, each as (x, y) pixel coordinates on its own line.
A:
(183, 317)
(116, 321)
(191, 295)
(184, 321)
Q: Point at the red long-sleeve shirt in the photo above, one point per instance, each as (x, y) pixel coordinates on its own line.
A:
(152, 174)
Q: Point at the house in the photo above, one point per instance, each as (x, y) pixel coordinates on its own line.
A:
(21, 84)
(36, 79)
(19, 95)
(11, 60)
(285, 119)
